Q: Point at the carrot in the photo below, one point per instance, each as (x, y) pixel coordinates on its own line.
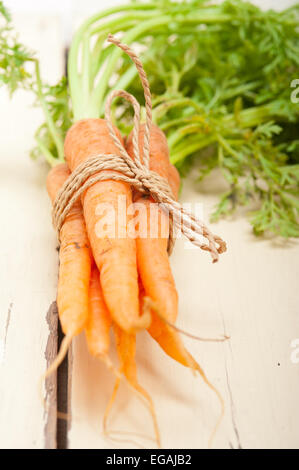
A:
(160, 295)
(74, 268)
(126, 349)
(115, 256)
(99, 321)
(153, 262)
(152, 258)
(174, 180)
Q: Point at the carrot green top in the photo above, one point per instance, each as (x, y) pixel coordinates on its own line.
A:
(223, 77)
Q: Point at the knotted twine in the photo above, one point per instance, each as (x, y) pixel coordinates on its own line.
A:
(135, 172)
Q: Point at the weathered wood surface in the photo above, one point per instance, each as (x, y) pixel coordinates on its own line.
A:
(50, 430)
(28, 268)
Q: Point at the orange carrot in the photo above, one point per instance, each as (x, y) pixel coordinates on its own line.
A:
(174, 180)
(153, 262)
(74, 268)
(99, 321)
(126, 349)
(115, 256)
(152, 258)
(169, 339)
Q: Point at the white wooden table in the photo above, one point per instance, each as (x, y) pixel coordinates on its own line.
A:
(250, 295)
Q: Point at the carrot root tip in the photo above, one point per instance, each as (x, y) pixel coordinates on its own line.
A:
(149, 304)
(65, 344)
(109, 406)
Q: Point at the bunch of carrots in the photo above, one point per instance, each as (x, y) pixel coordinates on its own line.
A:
(123, 283)
(120, 282)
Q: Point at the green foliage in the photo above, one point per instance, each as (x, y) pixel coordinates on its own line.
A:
(13, 56)
(234, 78)
(58, 104)
(220, 78)
(19, 69)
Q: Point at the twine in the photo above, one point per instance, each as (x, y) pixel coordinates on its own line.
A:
(135, 172)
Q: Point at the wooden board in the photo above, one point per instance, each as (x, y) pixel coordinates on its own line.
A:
(28, 271)
(251, 295)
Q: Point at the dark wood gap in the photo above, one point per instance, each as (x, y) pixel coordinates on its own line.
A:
(66, 54)
(62, 398)
(50, 429)
(63, 387)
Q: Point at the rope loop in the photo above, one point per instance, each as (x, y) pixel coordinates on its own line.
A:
(134, 171)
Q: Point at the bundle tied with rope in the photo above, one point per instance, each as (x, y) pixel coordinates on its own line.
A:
(136, 172)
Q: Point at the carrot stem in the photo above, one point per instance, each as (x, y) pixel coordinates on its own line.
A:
(46, 152)
(52, 128)
(99, 91)
(73, 61)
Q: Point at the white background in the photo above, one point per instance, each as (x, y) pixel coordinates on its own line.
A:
(70, 9)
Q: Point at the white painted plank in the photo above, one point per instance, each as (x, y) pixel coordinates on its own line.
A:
(28, 268)
(252, 292)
